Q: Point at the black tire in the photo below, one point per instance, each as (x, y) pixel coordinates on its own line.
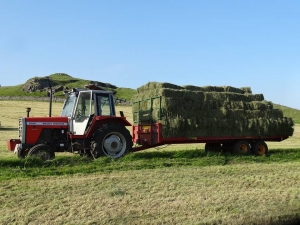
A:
(260, 148)
(213, 147)
(227, 147)
(112, 140)
(241, 147)
(44, 152)
(22, 153)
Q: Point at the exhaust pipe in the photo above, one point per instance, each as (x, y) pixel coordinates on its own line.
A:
(50, 103)
(28, 111)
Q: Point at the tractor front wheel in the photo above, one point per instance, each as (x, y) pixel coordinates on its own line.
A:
(22, 153)
(44, 152)
(112, 140)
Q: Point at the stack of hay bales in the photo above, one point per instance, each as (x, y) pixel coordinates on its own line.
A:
(191, 111)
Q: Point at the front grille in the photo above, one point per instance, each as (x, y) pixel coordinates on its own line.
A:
(21, 129)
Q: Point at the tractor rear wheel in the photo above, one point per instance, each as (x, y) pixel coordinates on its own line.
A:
(112, 140)
(44, 152)
(260, 148)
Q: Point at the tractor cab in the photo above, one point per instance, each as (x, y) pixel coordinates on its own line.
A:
(81, 106)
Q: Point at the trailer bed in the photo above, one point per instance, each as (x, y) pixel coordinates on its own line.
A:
(150, 135)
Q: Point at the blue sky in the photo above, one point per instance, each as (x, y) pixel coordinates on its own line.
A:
(128, 43)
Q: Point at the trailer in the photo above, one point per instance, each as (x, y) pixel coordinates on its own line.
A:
(149, 135)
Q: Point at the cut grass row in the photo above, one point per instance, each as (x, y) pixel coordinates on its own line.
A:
(14, 168)
(233, 194)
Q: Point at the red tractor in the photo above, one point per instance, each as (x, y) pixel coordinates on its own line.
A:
(88, 125)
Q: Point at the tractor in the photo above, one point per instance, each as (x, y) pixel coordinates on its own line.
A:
(88, 125)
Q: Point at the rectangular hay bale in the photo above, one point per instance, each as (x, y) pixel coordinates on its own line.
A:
(192, 111)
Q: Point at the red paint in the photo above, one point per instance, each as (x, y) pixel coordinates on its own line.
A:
(11, 144)
(35, 125)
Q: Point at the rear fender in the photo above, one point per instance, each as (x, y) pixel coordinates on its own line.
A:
(99, 120)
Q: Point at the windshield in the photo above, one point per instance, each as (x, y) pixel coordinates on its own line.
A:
(68, 106)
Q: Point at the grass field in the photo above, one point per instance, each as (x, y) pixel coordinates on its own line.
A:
(179, 184)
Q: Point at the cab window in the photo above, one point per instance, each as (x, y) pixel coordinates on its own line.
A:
(83, 107)
(104, 107)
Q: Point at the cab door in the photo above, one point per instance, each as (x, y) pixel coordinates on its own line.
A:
(82, 112)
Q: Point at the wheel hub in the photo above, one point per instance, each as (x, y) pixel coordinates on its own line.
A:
(43, 155)
(261, 150)
(112, 144)
(243, 148)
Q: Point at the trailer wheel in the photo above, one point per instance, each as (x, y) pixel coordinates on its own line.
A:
(112, 140)
(227, 147)
(241, 147)
(260, 148)
(44, 152)
(212, 147)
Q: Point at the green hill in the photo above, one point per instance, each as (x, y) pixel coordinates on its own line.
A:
(37, 87)
(289, 112)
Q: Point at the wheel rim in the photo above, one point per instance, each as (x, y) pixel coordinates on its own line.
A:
(114, 145)
(244, 148)
(43, 155)
(41, 151)
(261, 149)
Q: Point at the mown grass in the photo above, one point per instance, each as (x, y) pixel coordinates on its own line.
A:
(231, 194)
(14, 168)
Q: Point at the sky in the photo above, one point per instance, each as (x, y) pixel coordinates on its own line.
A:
(239, 43)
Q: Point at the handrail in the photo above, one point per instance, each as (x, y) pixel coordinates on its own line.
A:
(137, 120)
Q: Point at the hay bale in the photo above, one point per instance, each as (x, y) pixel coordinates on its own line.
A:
(233, 90)
(204, 89)
(242, 90)
(247, 90)
(157, 85)
(192, 88)
(261, 105)
(192, 111)
(275, 113)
